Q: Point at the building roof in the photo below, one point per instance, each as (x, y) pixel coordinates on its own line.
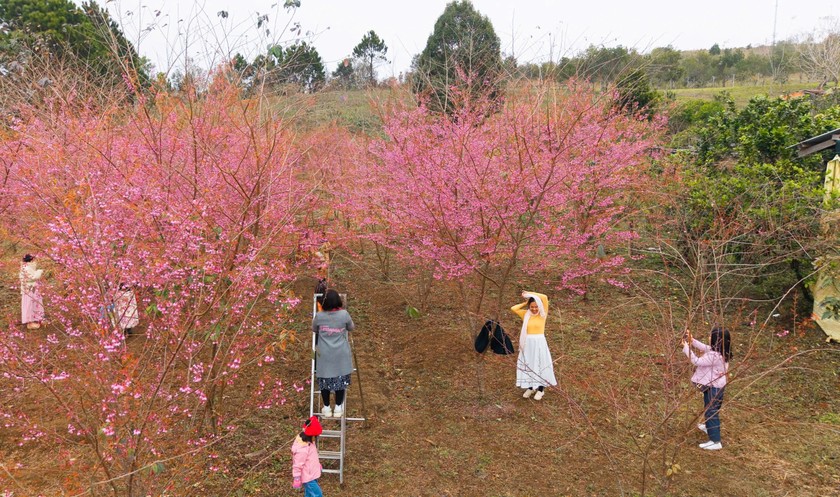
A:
(817, 143)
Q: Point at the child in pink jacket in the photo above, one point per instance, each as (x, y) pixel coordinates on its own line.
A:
(306, 467)
(710, 377)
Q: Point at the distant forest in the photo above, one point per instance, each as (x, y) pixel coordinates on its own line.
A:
(668, 68)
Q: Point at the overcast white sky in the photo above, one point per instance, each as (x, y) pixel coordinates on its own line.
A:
(533, 30)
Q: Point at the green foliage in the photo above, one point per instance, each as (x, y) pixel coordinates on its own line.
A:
(370, 50)
(344, 74)
(412, 312)
(746, 189)
(663, 66)
(698, 68)
(635, 94)
(693, 113)
(158, 468)
(830, 418)
(463, 52)
(298, 64)
(667, 67)
(763, 132)
(560, 71)
(607, 65)
(86, 34)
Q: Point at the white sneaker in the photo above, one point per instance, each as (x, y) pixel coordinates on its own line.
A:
(338, 411)
(702, 427)
(711, 445)
(527, 394)
(326, 412)
(539, 394)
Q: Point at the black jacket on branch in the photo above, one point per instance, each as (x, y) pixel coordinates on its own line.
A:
(494, 335)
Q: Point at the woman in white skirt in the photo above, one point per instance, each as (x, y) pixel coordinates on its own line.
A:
(534, 368)
(31, 303)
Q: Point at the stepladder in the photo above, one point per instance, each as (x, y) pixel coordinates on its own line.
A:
(332, 444)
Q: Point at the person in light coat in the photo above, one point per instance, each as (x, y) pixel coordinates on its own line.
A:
(125, 309)
(31, 302)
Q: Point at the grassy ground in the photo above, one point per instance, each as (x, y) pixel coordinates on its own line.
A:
(442, 421)
(358, 110)
(740, 94)
(617, 419)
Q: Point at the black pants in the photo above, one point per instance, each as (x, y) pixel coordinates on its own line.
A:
(339, 397)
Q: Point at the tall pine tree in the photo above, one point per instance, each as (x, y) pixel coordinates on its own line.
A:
(462, 53)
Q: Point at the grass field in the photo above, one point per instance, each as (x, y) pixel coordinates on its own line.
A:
(357, 110)
(741, 94)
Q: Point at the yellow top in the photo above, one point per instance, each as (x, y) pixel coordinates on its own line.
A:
(536, 323)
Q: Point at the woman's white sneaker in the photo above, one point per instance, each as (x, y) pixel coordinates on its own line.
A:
(539, 395)
(326, 412)
(338, 411)
(527, 394)
(702, 427)
(711, 445)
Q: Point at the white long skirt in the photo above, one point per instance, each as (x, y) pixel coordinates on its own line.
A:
(534, 367)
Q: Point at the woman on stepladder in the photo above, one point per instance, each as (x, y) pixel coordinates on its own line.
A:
(710, 377)
(534, 368)
(333, 355)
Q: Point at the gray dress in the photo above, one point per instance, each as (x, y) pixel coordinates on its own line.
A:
(334, 363)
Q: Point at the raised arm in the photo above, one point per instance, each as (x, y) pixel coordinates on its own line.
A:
(702, 347)
(520, 309)
(705, 360)
(542, 297)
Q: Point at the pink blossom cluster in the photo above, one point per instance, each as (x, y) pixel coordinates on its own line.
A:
(533, 188)
(195, 204)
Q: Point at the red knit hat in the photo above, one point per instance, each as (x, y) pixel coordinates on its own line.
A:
(312, 427)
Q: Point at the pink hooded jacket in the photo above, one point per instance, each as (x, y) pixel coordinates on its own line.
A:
(711, 367)
(305, 463)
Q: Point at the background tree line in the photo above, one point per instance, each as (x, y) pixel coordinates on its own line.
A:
(87, 37)
(815, 60)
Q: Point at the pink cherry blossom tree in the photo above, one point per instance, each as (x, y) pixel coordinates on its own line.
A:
(195, 201)
(486, 198)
